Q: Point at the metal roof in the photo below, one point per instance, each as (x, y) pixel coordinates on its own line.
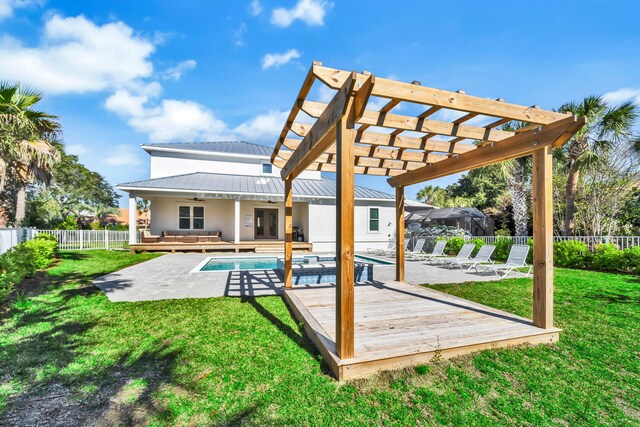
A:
(226, 147)
(243, 184)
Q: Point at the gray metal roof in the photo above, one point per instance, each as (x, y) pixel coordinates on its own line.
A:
(242, 184)
(227, 147)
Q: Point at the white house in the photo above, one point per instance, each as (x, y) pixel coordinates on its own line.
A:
(232, 187)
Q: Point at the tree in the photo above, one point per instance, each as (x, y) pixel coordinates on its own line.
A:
(28, 147)
(73, 190)
(143, 206)
(605, 126)
(605, 189)
(517, 173)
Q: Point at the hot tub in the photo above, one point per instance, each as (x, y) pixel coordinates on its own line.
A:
(318, 269)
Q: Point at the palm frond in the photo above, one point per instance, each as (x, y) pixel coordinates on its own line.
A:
(616, 122)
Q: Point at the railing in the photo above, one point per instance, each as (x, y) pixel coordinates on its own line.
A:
(89, 239)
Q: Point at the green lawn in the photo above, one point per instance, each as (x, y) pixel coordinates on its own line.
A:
(71, 356)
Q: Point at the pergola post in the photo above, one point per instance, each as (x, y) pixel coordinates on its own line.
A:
(400, 234)
(345, 136)
(288, 233)
(542, 238)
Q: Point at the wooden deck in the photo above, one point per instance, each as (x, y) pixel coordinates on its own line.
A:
(398, 325)
(250, 246)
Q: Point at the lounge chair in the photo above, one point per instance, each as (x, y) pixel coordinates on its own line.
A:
(438, 252)
(517, 259)
(392, 253)
(390, 246)
(482, 257)
(414, 254)
(464, 254)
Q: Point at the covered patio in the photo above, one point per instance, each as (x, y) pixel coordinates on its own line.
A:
(360, 329)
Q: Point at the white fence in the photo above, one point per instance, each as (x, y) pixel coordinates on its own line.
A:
(89, 239)
(68, 239)
(622, 242)
(9, 237)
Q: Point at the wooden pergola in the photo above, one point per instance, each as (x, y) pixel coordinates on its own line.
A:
(341, 140)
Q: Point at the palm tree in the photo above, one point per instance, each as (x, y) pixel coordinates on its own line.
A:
(143, 206)
(515, 173)
(606, 125)
(28, 142)
(431, 195)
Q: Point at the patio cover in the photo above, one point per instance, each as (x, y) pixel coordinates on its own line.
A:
(345, 138)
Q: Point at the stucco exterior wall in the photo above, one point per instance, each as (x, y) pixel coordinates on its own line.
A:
(322, 230)
(218, 214)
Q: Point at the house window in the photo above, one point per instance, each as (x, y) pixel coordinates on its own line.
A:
(374, 219)
(191, 217)
(267, 168)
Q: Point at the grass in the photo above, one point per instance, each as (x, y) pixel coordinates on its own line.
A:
(72, 357)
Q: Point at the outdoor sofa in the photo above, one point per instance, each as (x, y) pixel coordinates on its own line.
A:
(191, 236)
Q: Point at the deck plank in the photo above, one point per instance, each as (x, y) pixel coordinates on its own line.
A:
(398, 324)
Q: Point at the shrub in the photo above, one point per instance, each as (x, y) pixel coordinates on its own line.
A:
(45, 236)
(44, 252)
(570, 253)
(631, 260)
(478, 242)
(23, 260)
(503, 246)
(605, 257)
(454, 244)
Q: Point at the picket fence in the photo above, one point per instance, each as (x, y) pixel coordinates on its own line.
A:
(89, 239)
(109, 239)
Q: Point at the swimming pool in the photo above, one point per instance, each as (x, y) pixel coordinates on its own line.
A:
(271, 263)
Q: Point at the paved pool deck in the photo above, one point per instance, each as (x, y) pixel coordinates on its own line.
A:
(174, 276)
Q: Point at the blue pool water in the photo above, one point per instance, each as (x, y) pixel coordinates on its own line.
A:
(269, 263)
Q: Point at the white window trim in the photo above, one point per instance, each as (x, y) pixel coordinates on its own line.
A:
(191, 206)
(369, 230)
(262, 172)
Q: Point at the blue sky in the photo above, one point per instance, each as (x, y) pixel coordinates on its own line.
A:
(122, 73)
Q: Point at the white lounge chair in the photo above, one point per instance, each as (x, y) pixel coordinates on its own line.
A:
(416, 251)
(482, 257)
(517, 259)
(390, 246)
(392, 253)
(465, 253)
(438, 252)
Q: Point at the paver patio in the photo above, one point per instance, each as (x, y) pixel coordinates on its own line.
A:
(171, 276)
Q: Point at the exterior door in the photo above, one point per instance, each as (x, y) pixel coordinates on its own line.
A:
(266, 223)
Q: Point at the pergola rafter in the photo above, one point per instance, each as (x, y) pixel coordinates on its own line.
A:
(340, 141)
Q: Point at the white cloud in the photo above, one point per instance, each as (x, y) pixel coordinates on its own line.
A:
(263, 127)
(325, 93)
(238, 35)
(256, 7)
(8, 6)
(76, 56)
(177, 120)
(167, 120)
(312, 12)
(622, 95)
(279, 59)
(174, 73)
(123, 155)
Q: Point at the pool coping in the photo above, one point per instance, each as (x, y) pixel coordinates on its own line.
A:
(198, 268)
